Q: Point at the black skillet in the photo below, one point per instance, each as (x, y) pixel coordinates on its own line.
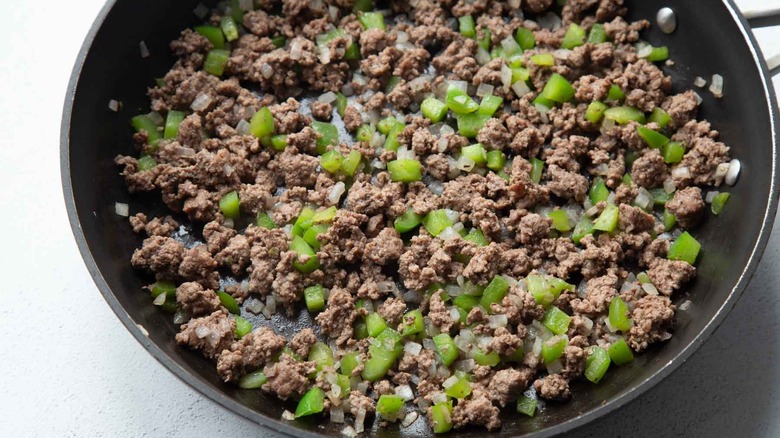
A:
(711, 37)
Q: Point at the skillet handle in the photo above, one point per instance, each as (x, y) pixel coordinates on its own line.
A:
(765, 16)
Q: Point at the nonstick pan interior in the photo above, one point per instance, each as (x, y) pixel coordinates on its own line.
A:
(710, 39)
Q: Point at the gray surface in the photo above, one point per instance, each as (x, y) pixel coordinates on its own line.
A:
(72, 370)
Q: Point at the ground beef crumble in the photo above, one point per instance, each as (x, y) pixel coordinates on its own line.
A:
(501, 214)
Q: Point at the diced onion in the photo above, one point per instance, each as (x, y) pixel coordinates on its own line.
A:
(669, 185)
(377, 140)
(454, 314)
(201, 11)
(550, 21)
(649, 289)
(254, 305)
(447, 384)
(360, 417)
(681, 172)
(336, 191)
(270, 307)
(201, 102)
(733, 173)
(465, 163)
(484, 90)
(497, 321)
(699, 82)
(242, 127)
(465, 365)
(159, 300)
(122, 209)
(327, 97)
(266, 70)
(685, 305)
(537, 348)
(438, 397)
(336, 414)
(461, 85)
(410, 418)
(287, 415)
(520, 88)
(144, 50)
(401, 37)
(643, 199)
(463, 344)
(412, 296)
(413, 348)
(348, 431)
(510, 45)
(202, 331)
(448, 234)
(452, 215)
(716, 87)
(180, 317)
(699, 100)
(543, 110)
(506, 75)
(710, 196)
(296, 49)
(114, 105)
(405, 392)
(643, 49)
(555, 367)
(483, 56)
(404, 153)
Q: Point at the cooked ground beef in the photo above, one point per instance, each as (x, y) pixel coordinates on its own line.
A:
(316, 209)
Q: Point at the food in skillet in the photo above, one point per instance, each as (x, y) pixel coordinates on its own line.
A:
(478, 202)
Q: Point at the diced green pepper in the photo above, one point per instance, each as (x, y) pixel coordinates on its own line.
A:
(556, 320)
(470, 124)
(372, 20)
(684, 248)
(351, 163)
(460, 102)
(388, 406)
(467, 26)
(213, 34)
(484, 358)
(303, 249)
(660, 197)
(496, 160)
(537, 167)
(375, 324)
(315, 298)
(574, 37)
(311, 234)
(595, 112)
(618, 315)
(543, 59)
(446, 348)
(325, 216)
(278, 41)
(383, 355)
(404, 170)
(598, 191)
(460, 389)
(229, 205)
(389, 124)
(361, 331)
(412, 323)
(615, 93)
(608, 219)
(597, 364)
(582, 229)
(303, 222)
(441, 417)
(434, 109)
(228, 302)
(553, 348)
(558, 89)
(279, 142)
(526, 405)
(243, 327)
(229, 28)
(363, 6)
(328, 135)
(436, 221)
(391, 142)
(490, 104)
(349, 362)
(146, 162)
(341, 104)
(321, 354)
(331, 161)
(352, 53)
(525, 38)
(253, 380)
(216, 61)
(407, 221)
(262, 123)
(365, 133)
(466, 302)
(172, 122)
(620, 352)
(477, 237)
(719, 202)
(145, 123)
(475, 153)
(313, 402)
(597, 34)
(659, 116)
(669, 220)
(495, 291)
(624, 114)
(658, 54)
(265, 221)
(484, 41)
(673, 152)
(653, 139)
(560, 220)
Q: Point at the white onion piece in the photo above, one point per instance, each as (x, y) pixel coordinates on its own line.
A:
(484, 90)
(287, 415)
(454, 314)
(465, 163)
(202, 331)
(463, 344)
(412, 296)
(327, 97)
(465, 365)
(537, 348)
(201, 102)
(681, 172)
(114, 105)
(413, 348)
(410, 418)
(242, 127)
(122, 209)
(439, 397)
(404, 153)
(337, 414)
(643, 199)
(401, 37)
(159, 300)
(716, 87)
(448, 234)
(180, 317)
(506, 75)
(543, 110)
(335, 192)
(643, 49)
(684, 306)
(362, 387)
(482, 56)
(520, 88)
(510, 45)
(360, 417)
(550, 21)
(428, 344)
(461, 85)
(710, 196)
(296, 49)
(143, 49)
(266, 70)
(649, 289)
(447, 384)
(254, 305)
(496, 321)
(733, 173)
(436, 187)
(405, 392)
(452, 215)
(201, 11)
(669, 185)
(348, 432)
(699, 100)
(555, 367)
(699, 82)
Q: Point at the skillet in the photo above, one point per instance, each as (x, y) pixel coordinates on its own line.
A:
(711, 37)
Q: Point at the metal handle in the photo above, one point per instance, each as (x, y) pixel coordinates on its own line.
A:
(765, 16)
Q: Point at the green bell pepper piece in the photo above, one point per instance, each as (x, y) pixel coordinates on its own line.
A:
(684, 248)
(484, 358)
(253, 380)
(659, 116)
(375, 324)
(582, 229)
(441, 417)
(412, 323)
(467, 26)
(331, 161)
(216, 61)
(624, 114)
(496, 160)
(404, 170)
(558, 89)
(620, 352)
(146, 163)
(407, 221)
(537, 167)
(372, 20)
(470, 124)
(460, 389)
(556, 320)
(560, 220)
(228, 302)
(313, 402)
(618, 315)
(243, 327)
(388, 406)
(460, 102)
(303, 249)
(328, 135)
(653, 139)
(434, 109)
(315, 298)
(446, 348)
(719, 203)
(230, 205)
(229, 28)
(615, 93)
(597, 364)
(265, 221)
(213, 34)
(543, 59)
(436, 221)
(172, 122)
(673, 152)
(145, 123)
(477, 237)
(475, 153)
(574, 37)
(262, 123)
(351, 162)
(608, 219)
(553, 348)
(526, 405)
(595, 112)
(597, 34)
(490, 104)
(495, 291)
(525, 38)
(598, 191)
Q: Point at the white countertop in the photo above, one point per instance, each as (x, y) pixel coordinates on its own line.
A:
(88, 377)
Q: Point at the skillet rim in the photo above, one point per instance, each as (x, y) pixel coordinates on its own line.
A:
(284, 427)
